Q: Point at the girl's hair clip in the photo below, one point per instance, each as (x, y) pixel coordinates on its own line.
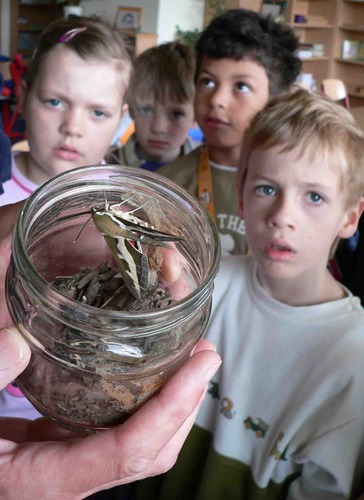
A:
(70, 34)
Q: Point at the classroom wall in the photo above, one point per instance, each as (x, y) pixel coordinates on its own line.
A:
(187, 14)
(158, 16)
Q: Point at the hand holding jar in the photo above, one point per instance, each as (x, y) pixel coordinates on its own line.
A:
(39, 459)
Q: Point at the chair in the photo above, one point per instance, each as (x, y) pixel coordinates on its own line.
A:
(10, 99)
(336, 90)
(21, 146)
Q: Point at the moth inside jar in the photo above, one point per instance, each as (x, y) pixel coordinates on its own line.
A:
(84, 287)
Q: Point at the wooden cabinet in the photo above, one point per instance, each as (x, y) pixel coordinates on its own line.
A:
(28, 19)
(329, 23)
(350, 27)
(314, 22)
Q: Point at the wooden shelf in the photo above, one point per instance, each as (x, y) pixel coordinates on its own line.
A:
(329, 23)
(313, 26)
(315, 58)
(355, 90)
(27, 22)
(359, 28)
(356, 62)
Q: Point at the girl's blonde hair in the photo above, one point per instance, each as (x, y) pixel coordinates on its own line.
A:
(311, 122)
(93, 38)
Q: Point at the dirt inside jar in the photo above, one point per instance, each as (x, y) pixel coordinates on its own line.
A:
(81, 402)
(105, 288)
(106, 396)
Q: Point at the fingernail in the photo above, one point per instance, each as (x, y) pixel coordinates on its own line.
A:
(11, 350)
(212, 370)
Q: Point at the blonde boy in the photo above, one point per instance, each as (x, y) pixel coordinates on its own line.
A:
(161, 104)
(285, 415)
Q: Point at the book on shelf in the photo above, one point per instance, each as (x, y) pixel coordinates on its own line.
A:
(361, 51)
(305, 51)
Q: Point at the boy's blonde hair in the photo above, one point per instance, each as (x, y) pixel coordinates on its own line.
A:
(163, 71)
(315, 123)
(96, 39)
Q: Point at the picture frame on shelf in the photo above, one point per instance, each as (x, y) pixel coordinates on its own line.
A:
(269, 9)
(350, 49)
(272, 8)
(129, 18)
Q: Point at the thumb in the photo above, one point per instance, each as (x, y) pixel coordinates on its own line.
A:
(14, 355)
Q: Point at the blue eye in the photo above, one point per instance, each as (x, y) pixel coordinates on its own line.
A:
(99, 114)
(53, 103)
(144, 110)
(315, 198)
(265, 190)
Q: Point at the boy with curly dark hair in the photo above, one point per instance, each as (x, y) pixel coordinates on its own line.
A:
(242, 60)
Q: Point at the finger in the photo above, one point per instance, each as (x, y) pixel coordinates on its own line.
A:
(182, 398)
(21, 430)
(8, 217)
(14, 355)
(173, 273)
(172, 265)
(167, 456)
(203, 345)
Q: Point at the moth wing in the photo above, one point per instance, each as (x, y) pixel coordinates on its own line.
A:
(151, 235)
(109, 225)
(132, 263)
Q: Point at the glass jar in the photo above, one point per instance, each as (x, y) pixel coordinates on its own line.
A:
(91, 368)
